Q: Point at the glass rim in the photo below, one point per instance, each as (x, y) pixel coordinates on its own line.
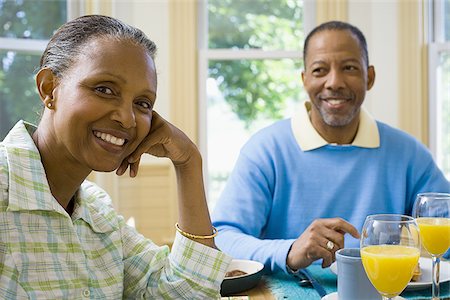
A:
(435, 195)
(380, 217)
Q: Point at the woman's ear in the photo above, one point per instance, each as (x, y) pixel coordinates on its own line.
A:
(46, 83)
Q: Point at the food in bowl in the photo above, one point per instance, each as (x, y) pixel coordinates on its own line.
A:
(234, 273)
(239, 283)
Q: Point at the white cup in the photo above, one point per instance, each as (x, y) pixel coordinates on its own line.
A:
(353, 283)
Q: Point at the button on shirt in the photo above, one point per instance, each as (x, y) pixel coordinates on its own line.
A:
(86, 293)
(47, 254)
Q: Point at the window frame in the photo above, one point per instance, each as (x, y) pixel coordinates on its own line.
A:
(437, 45)
(28, 46)
(206, 54)
(37, 46)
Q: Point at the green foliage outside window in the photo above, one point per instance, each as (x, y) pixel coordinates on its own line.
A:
(18, 96)
(24, 19)
(248, 87)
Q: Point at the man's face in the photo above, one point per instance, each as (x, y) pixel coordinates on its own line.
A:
(336, 78)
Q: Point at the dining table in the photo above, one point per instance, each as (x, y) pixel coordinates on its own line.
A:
(283, 286)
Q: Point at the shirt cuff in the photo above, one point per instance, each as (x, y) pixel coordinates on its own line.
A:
(198, 261)
(282, 253)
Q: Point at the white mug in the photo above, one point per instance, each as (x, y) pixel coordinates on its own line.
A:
(353, 283)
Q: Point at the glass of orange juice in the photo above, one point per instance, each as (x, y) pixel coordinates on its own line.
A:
(432, 212)
(390, 250)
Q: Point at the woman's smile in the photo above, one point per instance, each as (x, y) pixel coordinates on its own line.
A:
(113, 141)
(110, 138)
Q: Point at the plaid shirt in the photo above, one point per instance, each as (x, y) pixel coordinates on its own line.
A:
(92, 254)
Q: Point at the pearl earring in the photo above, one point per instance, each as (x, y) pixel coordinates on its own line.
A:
(49, 105)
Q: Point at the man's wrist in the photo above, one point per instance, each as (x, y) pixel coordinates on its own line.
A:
(290, 270)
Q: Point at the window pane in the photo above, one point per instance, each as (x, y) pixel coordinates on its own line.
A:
(18, 96)
(31, 19)
(262, 24)
(443, 113)
(244, 96)
(447, 19)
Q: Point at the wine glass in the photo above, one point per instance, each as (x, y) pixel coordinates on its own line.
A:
(432, 212)
(390, 250)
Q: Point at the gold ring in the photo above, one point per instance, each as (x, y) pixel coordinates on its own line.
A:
(330, 245)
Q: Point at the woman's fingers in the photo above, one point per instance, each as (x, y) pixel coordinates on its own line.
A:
(134, 167)
(122, 168)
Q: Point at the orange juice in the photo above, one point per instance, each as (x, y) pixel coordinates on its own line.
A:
(389, 267)
(435, 234)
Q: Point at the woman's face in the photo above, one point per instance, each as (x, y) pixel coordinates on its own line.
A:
(103, 103)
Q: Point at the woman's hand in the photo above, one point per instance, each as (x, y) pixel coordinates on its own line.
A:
(163, 140)
(166, 140)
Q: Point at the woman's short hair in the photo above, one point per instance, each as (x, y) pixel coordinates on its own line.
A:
(66, 43)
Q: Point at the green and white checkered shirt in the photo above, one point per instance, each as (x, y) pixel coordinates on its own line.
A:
(93, 254)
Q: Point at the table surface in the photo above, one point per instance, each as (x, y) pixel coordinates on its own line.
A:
(261, 291)
(281, 286)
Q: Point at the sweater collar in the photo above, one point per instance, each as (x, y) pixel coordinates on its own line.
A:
(308, 138)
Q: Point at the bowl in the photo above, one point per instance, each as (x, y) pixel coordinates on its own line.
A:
(240, 283)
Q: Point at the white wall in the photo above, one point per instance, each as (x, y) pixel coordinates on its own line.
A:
(378, 21)
(152, 17)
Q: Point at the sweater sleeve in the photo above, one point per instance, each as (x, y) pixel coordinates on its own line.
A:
(424, 176)
(242, 211)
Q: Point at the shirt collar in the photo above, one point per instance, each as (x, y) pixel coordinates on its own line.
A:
(94, 206)
(308, 138)
(29, 188)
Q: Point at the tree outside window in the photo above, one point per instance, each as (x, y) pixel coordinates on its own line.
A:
(254, 61)
(22, 23)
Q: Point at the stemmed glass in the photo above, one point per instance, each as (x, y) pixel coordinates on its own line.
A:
(390, 250)
(432, 212)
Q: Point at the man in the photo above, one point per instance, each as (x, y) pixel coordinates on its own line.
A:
(300, 185)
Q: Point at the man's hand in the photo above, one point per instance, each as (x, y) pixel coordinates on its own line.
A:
(312, 243)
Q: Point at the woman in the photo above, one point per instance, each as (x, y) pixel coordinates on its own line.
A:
(59, 236)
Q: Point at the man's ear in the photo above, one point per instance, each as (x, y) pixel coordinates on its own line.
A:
(46, 83)
(370, 77)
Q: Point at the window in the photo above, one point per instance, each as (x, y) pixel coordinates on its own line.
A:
(25, 27)
(250, 75)
(439, 84)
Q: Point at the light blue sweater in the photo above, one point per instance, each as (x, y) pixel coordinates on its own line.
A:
(276, 190)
